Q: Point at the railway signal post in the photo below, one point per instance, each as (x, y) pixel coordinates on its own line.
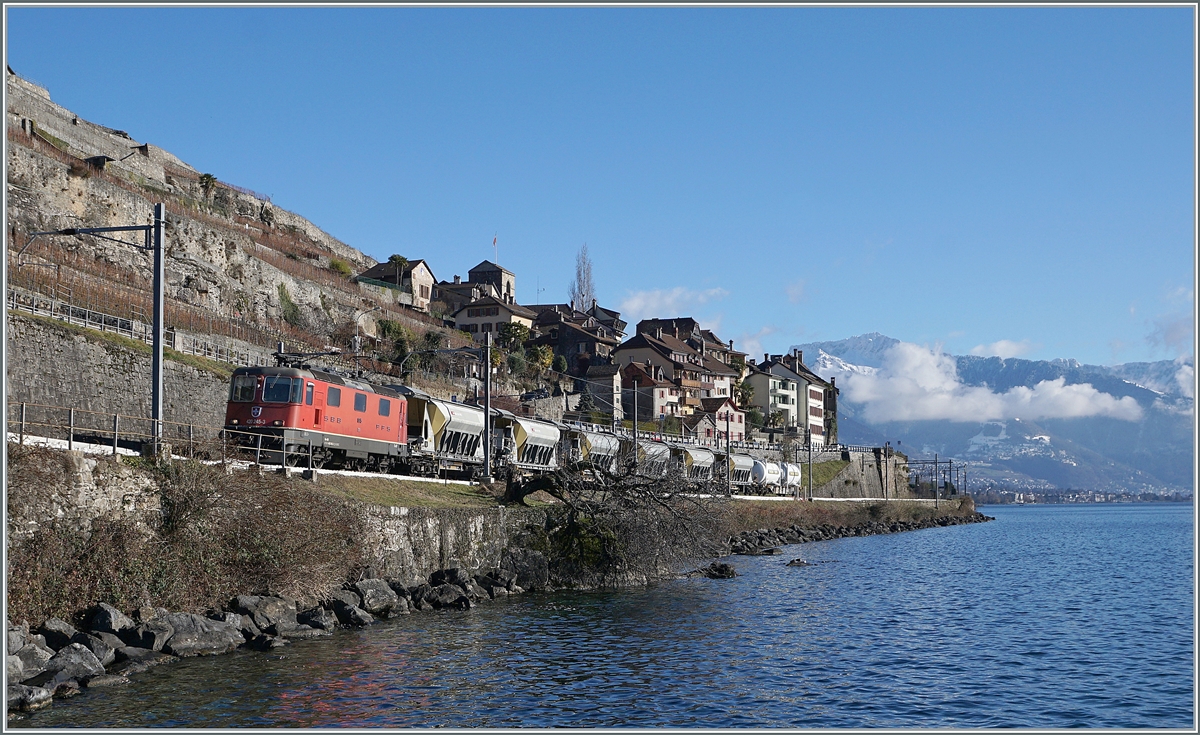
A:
(153, 242)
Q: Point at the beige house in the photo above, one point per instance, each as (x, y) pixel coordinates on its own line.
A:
(487, 315)
(807, 402)
(416, 279)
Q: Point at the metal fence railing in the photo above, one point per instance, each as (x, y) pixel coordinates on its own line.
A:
(115, 430)
(134, 329)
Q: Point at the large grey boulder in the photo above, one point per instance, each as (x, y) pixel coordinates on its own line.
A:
(58, 633)
(417, 596)
(13, 668)
(269, 614)
(719, 570)
(448, 596)
(105, 618)
(530, 568)
(33, 660)
(352, 615)
(110, 640)
(101, 650)
(133, 660)
(303, 632)
(266, 642)
(494, 579)
(378, 598)
(151, 634)
(318, 617)
(346, 597)
(18, 636)
(73, 663)
(399, 588)
(23, 698)
(106, 680)
(474, 591)
(197, 636)
(242, 622)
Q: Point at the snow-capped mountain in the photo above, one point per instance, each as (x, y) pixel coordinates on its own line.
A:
(1126, 427)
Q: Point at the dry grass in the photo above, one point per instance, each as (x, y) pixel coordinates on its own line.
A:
(218, 536)
(744, 515)
(822, 472)
(407, 493)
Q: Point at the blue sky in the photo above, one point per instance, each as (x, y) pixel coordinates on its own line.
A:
(1003, 180)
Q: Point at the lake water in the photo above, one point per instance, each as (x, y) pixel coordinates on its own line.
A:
(1050, 616)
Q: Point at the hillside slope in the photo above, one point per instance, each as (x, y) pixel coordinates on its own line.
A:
(237, 266)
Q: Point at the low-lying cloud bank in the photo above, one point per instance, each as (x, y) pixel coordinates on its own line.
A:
(915, 383)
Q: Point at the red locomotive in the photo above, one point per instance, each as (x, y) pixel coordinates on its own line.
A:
(298, 415)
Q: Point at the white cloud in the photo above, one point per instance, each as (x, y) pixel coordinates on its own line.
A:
(1005, 348)
(917, 384)
(795, 291)
(1180, 295)
(1172, 332)
(1185, 376)
(666, 304)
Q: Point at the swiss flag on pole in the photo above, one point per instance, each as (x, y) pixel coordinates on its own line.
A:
(494, 241)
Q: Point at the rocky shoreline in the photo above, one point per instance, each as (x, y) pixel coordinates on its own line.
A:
(765, 541)
(57, 661)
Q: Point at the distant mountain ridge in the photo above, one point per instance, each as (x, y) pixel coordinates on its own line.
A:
(1154, 453)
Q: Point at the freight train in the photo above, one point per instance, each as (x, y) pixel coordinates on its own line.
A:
(309, 417)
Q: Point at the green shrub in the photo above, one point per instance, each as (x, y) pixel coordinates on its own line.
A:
(340, 267)
(516, 362)
(291, 312)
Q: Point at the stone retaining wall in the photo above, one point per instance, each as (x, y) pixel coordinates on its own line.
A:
(51, 364)
(409, 544)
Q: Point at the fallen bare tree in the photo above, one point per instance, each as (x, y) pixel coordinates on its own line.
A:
(617, 528)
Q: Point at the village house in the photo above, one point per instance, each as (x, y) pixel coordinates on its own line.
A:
(413, 278)
(657, 397)
(487, 315)
(609, 318)
(483, 281)
(778, 391)
(727, 417)
(582, 339)
(679, 363)
(691, 358)
(787, 377)
(702, 427)
(605, 385)
(458, 293)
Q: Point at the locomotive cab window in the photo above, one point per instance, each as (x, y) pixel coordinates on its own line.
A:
(333, 397)
(242, 388)
(385, 407)
(278, 389)
(360, 402)
(308, 395)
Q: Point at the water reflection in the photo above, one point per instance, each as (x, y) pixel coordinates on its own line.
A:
(1025, 622)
